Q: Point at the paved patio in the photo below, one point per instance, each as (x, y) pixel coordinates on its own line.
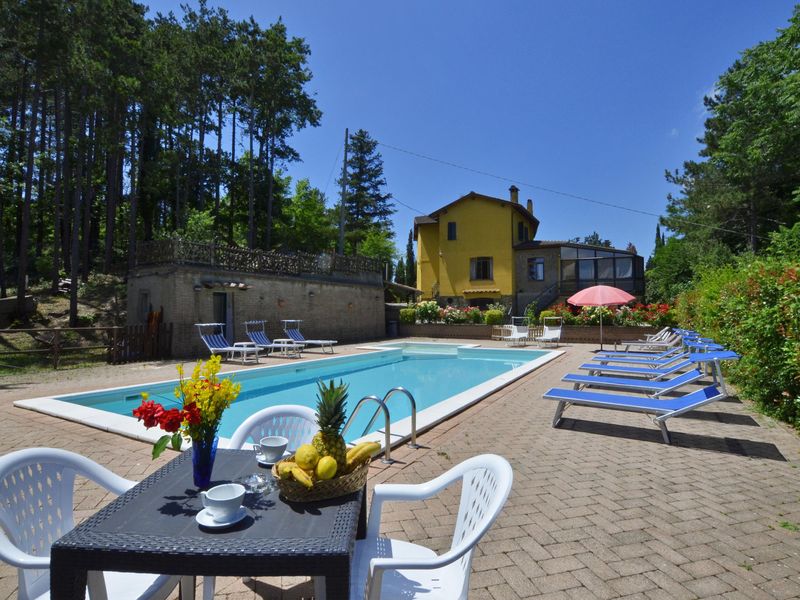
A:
(600, 508)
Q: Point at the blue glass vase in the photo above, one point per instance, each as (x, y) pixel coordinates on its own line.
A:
(203, 453)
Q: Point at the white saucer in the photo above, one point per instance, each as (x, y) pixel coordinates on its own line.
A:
(206, 520)
(266, 463)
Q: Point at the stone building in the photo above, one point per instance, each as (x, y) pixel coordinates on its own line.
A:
(337, 297)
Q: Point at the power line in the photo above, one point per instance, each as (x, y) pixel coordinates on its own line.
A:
(333, 167)
(552, 191)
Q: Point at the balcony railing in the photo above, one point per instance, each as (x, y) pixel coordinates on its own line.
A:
(183, 252)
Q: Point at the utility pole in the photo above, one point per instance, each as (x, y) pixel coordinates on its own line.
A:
(344, 191)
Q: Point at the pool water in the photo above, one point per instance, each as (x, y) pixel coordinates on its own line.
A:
(432, 375)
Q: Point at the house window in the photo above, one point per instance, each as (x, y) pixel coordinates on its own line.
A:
(520, 231)
(451, 230)
(624, 268)
(527, 234)
(480, 267)
(536, 269)
(586, 270)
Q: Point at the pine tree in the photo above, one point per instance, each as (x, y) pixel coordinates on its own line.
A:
(366, 206)
(659, 238)
(411, 263)
(400, 272)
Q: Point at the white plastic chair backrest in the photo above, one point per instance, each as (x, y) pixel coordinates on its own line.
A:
(486, 483)
(295, 422)
(36, 506)
(519, 330)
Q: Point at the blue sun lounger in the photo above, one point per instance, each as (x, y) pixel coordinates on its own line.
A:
(661, 408)
(642, 361)
(651, 387)
(637, 354)
(641, 371)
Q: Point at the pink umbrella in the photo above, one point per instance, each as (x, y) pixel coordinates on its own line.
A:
(600, 295)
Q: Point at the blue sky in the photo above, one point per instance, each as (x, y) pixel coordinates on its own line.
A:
(594, 99)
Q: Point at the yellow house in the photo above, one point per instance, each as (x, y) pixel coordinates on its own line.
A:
(465, 250)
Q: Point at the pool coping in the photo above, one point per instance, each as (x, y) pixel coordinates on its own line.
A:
(400, 431)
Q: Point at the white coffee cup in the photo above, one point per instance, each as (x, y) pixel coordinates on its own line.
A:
(222, 501)
(272, 447)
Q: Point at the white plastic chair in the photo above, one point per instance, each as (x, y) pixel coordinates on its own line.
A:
(552, 331)
(296, 423)
(36, 508)
(518, 335)
(387, 568)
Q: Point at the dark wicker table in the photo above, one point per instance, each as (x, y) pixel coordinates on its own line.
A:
(152, 529)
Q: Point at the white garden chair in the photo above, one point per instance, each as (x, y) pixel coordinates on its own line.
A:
(388, 568)
(552, 331)
(296, 423)
(36, 508)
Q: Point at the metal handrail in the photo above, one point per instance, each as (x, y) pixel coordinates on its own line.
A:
(387, 450)
(410, 396)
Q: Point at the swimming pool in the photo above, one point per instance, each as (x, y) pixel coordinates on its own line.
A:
(442, 377)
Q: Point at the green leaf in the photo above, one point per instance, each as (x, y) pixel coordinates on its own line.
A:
(161, 445)
(177, 440)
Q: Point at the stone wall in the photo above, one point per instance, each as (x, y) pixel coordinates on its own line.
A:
(587, 335)
(347, 310)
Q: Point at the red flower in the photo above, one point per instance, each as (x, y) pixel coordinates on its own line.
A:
(170, 420)
(147, 412)
(192, 414)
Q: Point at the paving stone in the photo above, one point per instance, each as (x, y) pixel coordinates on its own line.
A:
(600, 507)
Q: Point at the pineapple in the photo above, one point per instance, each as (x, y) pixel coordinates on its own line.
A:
(330, 418)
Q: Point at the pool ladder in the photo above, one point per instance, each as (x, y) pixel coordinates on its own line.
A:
(382, 407)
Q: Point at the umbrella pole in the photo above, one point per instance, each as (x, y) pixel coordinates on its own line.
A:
(601, 329)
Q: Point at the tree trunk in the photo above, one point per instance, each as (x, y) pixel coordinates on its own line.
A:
(219, 166)
(251, 225)
(19, 190)
(112, 192)
(232, 182)
(270, 165)
(44, 143)
(22, 268)
(67, 180)
(10, 159)
(56, 264)
(135, 194)
(201, 153)
(88, 198)
(74, 271)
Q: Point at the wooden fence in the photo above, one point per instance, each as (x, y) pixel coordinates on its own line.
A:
(130, 343)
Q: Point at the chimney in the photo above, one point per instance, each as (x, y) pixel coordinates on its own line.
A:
(530, 206)
(514, 194)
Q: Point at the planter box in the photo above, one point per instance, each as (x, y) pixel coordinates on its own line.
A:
(569, 334)
(611, 334)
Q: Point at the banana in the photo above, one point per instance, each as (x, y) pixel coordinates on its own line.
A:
(285, 469)
(361, 454)
(302, 477)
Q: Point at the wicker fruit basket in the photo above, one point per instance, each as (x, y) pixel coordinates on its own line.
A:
(323, 489)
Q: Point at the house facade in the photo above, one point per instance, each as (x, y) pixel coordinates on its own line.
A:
(480, 249)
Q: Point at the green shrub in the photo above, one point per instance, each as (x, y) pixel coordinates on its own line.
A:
(408, 315)
(494, 317)
(754, 309)
(497, 306)
(545, 313)
(473, 314)
(428, 311)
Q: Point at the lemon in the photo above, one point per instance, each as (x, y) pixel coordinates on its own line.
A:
(326, 468)
(306, 457)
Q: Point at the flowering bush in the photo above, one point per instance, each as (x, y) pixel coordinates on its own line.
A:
(451, 314)
(591, 315)
(427, 311)
(203, 398)
(473, 314)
